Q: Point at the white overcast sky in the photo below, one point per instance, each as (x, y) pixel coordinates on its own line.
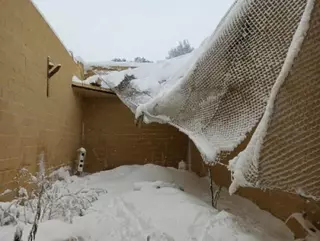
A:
(99, 30)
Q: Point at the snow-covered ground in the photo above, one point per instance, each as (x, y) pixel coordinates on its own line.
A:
(148, 203)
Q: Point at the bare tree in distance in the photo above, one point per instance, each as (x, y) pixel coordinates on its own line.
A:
(141, 60)
(119, 60)
(183, 48)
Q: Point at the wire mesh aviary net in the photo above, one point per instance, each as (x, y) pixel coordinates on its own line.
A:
(258, 73)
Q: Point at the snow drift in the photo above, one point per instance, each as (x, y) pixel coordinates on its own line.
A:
(157, 211)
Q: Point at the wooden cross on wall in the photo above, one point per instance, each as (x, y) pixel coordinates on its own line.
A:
(52, 69)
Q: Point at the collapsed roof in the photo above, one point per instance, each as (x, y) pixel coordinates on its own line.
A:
(257, 76)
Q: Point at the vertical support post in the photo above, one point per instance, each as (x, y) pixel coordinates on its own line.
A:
(211, 187)
(189, 160)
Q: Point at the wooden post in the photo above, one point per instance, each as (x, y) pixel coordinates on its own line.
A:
(51, 70)
(48, 69)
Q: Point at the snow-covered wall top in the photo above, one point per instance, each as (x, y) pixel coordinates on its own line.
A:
(90, 65)
(150, 77)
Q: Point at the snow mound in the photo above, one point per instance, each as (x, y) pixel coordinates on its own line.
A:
(158, 214)
(137, 186)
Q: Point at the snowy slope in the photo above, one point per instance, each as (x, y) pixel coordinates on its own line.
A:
(87, 81)
(151, 77)
(158, 77)
(159, 211)
(90, 65)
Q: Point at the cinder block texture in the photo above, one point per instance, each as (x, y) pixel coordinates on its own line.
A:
(31, 123)
(112, 139)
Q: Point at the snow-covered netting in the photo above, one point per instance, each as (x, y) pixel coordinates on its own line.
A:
(258, 73)
(140, 85)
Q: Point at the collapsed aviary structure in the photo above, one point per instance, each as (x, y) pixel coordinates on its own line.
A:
(256, 77)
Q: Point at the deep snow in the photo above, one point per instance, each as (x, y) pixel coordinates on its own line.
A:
(136, 207)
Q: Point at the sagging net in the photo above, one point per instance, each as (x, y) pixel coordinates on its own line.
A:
(259, 73)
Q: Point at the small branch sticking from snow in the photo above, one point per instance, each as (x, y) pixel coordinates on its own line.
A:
(18, 233)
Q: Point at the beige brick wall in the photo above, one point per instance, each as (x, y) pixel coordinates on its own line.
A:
(112, 139)
(29, 121)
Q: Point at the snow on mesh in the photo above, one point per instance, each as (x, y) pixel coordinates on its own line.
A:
(258, 73)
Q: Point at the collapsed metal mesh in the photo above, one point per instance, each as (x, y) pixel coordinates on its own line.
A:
(226, 93)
